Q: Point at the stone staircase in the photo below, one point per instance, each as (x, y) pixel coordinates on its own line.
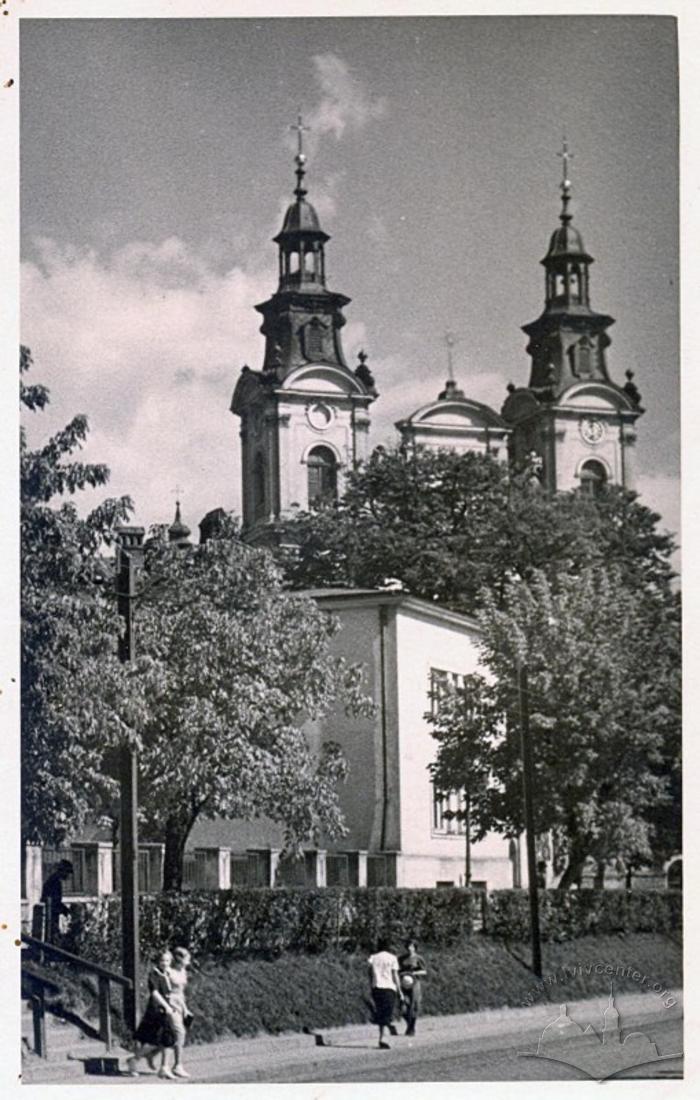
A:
(72, 1054)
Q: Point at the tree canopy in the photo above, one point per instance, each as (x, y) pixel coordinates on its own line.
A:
(228, 667)
(453, 527)
(604, 715)
(69, 629)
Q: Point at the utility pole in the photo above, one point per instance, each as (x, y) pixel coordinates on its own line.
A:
(129, 558)
(528, 781)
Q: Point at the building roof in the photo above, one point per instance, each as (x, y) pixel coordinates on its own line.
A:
(338, 598)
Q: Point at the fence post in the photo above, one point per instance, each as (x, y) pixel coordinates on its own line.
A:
(39, 927)
(105, 1019)
(39, 1020)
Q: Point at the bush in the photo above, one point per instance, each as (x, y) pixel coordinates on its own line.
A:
(569, 914)
(248, 922)
(267, 922)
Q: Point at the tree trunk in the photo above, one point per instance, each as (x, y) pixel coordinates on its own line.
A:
(574, 868)
(467, 842)
(599, 880)
(176, 834)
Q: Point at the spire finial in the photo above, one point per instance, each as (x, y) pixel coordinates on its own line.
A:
(450, 341)
(565, 185)
(300, 158)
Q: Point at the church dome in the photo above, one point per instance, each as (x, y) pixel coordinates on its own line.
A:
(565, 241)
(301, 218)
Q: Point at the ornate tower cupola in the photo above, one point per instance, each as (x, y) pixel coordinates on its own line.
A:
(304, 415)
(301, 239)
(568, 340)
(577, 421)
(303, 319)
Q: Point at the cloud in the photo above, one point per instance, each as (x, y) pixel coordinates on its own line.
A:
(345, 105)
(147, 341)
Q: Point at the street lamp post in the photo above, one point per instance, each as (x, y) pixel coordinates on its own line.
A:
(129, 558)
(528, 781)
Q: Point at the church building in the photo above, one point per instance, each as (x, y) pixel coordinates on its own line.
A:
(305, 418)
(304, 424)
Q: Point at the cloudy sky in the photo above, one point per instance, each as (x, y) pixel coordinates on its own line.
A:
(157, 163)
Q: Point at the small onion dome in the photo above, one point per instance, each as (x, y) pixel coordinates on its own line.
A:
(566, 241)
(178, 532)
(301, 217)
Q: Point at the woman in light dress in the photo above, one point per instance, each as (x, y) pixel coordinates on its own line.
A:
(178, 1003)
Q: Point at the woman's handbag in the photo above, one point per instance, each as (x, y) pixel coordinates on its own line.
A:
(187, 1020)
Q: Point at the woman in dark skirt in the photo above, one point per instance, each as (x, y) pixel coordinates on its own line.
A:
(384, 987)
(156, 1030)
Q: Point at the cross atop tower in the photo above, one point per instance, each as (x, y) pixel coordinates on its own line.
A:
(450, 341)
(301, 130)
(566, 156)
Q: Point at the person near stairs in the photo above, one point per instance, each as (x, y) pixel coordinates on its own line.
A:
(157, 1030)
(52, 898)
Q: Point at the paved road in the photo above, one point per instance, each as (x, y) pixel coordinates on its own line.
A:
(437, 1055)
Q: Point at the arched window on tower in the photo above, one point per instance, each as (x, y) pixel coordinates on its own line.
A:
(593, 477)
(259, 505)
(322, 475)
(575, 284)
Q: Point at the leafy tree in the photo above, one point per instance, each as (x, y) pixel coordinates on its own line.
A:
(453, 527)
(603, 712)
(462, 724)
(228, 666)
(69, 630)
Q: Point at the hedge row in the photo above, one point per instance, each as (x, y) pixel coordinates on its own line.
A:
(570, 914)
(259, 922)
(231, 996)
(268, 922)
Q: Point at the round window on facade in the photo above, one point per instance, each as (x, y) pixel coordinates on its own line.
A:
(320, 416)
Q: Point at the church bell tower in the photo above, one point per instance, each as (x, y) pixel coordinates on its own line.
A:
(305, 414)
(578, 423)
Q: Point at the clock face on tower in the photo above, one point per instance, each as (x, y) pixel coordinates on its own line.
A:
(592, 429)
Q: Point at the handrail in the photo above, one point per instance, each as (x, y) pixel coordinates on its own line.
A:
(84, 964)
(40, 980)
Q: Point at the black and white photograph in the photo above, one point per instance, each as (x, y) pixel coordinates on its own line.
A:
(348, 641)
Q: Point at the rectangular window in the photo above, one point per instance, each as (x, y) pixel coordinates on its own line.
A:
(446, 803)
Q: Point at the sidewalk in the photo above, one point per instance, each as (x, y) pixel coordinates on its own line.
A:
(269, 1056)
